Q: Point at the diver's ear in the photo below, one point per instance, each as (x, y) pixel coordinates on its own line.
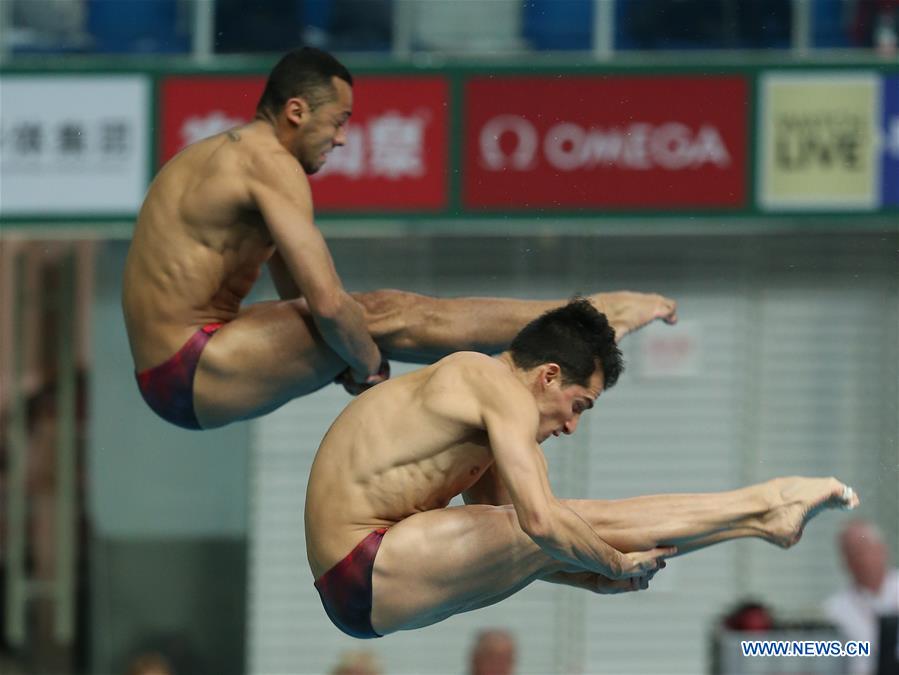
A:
(297, 110)
(550, 372)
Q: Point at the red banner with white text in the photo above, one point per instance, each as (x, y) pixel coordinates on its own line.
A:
(606, 142)
(395, 157)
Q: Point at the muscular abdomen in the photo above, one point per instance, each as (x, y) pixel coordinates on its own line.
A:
(376, 466)
(196, 251)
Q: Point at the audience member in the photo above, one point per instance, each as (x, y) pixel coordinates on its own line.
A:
(875, 23)
(357, 662)
(493, 653)
(872, 593)
(150, 663)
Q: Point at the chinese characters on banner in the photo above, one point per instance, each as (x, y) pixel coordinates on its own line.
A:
(89, 156)
(396, 154)
(574, 143)
(396, 151)
(389, 145)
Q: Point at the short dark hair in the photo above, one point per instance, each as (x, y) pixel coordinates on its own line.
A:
(304, 72)
(574, 336)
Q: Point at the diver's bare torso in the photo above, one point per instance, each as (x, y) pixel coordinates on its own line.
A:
(198, 244)
(374, 469)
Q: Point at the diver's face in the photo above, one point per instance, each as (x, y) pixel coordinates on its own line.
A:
(561, 405)
(325, 128)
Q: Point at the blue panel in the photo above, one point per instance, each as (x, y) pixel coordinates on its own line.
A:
(316, 13)
(702, 24)
(830, 26)
(135, 26)
(890, 130)
(558, 24)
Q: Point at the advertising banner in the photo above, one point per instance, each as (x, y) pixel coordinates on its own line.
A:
(819, 141)
(890, 176)
(192, 108)
(73, 145)
(395, 156)
(606, 142)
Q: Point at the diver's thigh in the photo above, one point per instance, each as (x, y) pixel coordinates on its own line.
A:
(270, 354)
(438, 563)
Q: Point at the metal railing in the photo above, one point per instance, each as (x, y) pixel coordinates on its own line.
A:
(404, 39)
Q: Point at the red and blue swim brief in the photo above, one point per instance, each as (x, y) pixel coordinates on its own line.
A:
(345, 589)
(169, 387)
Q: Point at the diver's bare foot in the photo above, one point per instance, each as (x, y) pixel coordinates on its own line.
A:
(628, 311)
(798, 500)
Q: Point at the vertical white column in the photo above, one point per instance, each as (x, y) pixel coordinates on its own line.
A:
(403, 27)
(203, 37)
(801, 37)
(603, 29)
